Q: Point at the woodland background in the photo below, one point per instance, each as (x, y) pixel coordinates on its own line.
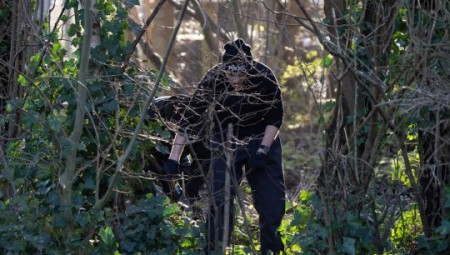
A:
(366, 134)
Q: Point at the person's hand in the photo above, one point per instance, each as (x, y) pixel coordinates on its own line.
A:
(170, 168)
(259, 161)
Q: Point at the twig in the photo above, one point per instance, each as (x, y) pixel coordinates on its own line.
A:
(65, 180)
(141, 33)
(228, 156)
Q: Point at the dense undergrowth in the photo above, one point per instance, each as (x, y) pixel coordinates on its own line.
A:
(133, 220)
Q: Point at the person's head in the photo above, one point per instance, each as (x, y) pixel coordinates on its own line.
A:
(236, 61)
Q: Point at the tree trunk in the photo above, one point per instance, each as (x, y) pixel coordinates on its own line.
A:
(428, 33)
(15, 35)
(66, 179)
(434, 163)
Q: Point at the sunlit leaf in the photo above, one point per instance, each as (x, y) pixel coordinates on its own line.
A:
(327, 61)
(305, 195)
(107, 235)
(22, 81)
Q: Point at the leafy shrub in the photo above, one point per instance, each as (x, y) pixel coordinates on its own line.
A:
(154, 226)
(151, 226)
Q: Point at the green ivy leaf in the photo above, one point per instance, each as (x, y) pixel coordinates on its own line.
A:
(54, 124)
(107, 235)
(81, 146)
(72, 30)
(89, 184)
(444, 228)
(305, 195)
(83, 219)
(329, 105)
(348, 247)
(9, 107)
(326, 61)
(131, 3)
(109, 107)
(169, 210)
(129, 246)
(64, 18)
(111, 45)
(297, 218)
(22, 81)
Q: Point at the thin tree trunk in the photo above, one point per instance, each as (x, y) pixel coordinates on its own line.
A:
(67, 176)
(227, 200)
(241, 26)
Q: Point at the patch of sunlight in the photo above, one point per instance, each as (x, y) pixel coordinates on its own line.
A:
(294, 126)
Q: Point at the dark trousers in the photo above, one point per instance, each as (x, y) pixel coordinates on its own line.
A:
(268, 191)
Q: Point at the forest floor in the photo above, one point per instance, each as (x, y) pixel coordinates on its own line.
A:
(301, 159)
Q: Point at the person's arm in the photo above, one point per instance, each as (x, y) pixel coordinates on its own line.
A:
(274, 117)
(177, 147)
(270, 134)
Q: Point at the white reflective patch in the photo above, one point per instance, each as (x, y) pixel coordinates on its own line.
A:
(235, 68)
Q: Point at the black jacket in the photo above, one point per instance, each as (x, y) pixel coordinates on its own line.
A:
(250, 109)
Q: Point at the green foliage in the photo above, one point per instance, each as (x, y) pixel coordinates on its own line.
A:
(432, 245)
(303, 77)
(153, 226)
(302, 231)
(305, 232)
(28, 224)
(327, 61)
(406, 230)
(438, 243)
(32, 222)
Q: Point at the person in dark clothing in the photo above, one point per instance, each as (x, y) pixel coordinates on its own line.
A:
(243, 94)
(169, 109)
